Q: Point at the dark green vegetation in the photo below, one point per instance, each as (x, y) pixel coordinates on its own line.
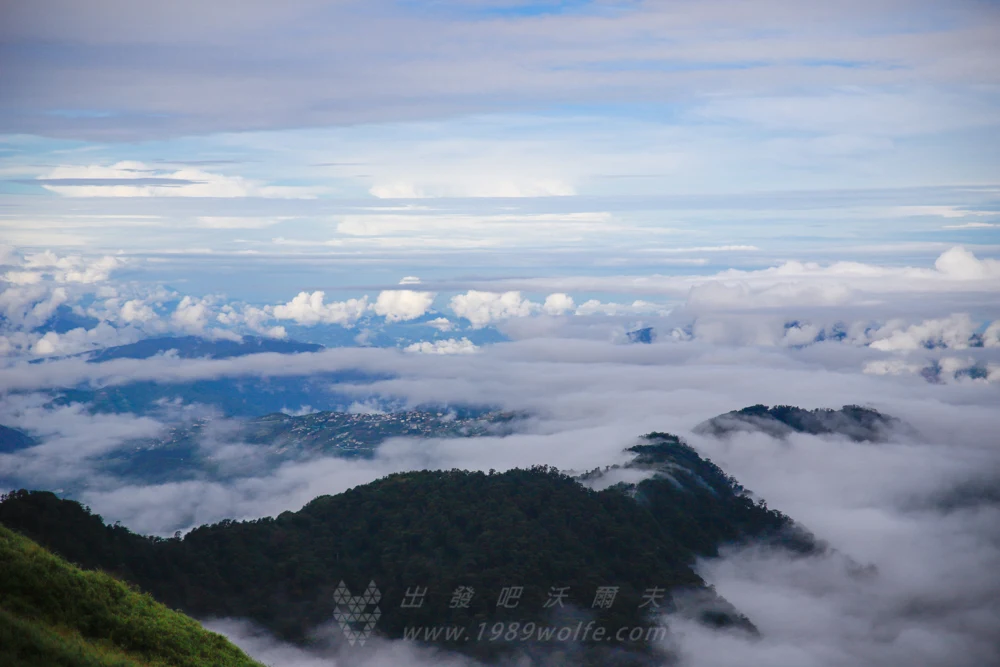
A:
(858, 423)
(437, 531)
(57, 615)
(195, 347)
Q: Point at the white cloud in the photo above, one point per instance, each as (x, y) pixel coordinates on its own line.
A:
(46, 258)
(266, 649)
(991, 336)
(15, 342)
(972, 225)
(638, 307)
(952, 332)
(96, 180)
(840, 113)
(397, 190)
(255, 319)
(947, 369)
(558, 304)
(744, 295)
(481, 308)
(23, 277)
(441, 324)
(145, 311)
(475, 230)
(891, 367)
(309, 309)
(713, 248)
(90, 272)
(462, 185)
(30, 306)
(592, 399)
(401, 305)
(741, 330)
(238, 222)
(191, 314)
(800, 334)
(410, 280)
(951, 366)
(791, 282)
(274, 332)
(448, 346)
(82, 340)
(65, 269)
(135, 310)
(960, 264)
(936, 211)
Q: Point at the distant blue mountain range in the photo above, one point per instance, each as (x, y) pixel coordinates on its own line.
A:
(243, 396)
(11, 440)
(195, 347)
(644, 335)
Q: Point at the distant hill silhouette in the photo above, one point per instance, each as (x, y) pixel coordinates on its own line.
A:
(643, 335)
(855, 422)
(12, 440)
(195, 347)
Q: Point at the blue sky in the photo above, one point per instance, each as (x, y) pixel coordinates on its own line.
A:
(497, 138)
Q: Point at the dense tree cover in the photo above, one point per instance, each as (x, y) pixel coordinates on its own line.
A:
(55, 614)
(436, 531)
(856, 422)
(702, 506)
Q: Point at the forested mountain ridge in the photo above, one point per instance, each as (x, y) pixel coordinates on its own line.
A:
(54, 614)
(856, 422)
(436, 531)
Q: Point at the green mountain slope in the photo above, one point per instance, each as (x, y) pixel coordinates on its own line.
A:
(437, 531)
(55, 614)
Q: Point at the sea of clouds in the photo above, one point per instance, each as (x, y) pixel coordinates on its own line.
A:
(913, 523)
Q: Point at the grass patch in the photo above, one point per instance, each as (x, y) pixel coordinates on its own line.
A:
(54, 613)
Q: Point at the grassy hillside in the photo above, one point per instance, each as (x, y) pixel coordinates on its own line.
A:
(55, 614)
